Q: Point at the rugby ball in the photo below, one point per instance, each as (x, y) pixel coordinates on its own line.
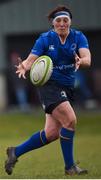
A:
(41, 70)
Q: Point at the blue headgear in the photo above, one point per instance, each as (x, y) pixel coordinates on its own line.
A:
(62, 14)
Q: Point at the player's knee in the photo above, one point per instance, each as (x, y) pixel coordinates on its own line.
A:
(52, 134)
(70, 122)
(73, 123)
(73, 120)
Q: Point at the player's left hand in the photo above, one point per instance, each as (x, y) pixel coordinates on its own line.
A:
(77, 62)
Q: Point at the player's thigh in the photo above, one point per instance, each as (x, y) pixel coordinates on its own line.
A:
(65, 114)
(52, 127)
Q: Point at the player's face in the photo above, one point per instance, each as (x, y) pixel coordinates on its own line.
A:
(62, 25)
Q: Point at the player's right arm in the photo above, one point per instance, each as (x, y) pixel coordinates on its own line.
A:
(25, 65)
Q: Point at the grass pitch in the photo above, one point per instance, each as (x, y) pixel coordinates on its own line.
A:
(47, 162)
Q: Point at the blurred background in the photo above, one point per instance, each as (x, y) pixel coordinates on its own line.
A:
(22, 21)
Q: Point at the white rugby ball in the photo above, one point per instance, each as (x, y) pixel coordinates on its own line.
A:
(41, 70)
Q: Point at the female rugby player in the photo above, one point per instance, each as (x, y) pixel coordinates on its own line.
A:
(69, 50)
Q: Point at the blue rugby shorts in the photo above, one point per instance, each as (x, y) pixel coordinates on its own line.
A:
(52, 94)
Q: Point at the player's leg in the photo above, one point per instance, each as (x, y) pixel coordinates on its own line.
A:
(52, 128)
(65, 114)
(37, 140)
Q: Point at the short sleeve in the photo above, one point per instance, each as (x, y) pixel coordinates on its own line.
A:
(82, 41)
(38, 47)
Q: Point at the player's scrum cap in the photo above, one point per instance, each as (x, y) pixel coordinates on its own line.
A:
(62, 14)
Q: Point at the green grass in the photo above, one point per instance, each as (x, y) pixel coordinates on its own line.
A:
(47, 162)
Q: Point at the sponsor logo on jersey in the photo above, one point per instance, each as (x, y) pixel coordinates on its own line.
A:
(64, 67)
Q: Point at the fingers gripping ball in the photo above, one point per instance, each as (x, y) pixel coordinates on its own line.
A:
(41, 70)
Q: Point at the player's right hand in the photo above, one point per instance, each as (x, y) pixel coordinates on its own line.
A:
(21, 70)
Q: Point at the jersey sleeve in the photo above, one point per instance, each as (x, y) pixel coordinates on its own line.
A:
(38, 48)
(82, 41)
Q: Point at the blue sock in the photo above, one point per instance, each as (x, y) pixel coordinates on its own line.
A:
(37, 140)
(66, 140)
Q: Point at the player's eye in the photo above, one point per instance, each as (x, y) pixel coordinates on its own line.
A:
(65, 20)
(58, 20)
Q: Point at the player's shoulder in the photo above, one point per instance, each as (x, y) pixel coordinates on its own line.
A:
(76, 31)
(47, 34)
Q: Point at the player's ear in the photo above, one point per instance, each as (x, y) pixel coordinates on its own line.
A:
(70, 22)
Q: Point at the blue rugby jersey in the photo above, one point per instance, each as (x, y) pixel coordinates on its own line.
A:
(62, 55)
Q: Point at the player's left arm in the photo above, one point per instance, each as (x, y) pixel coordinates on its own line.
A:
(85, 57)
